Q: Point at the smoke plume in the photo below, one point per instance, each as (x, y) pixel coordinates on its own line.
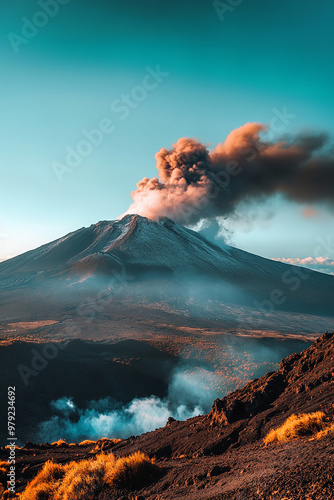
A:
(189, 394)
(194, 183)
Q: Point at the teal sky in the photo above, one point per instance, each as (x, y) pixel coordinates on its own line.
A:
(262, 57)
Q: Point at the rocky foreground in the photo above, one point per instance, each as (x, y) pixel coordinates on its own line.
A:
(222, 455)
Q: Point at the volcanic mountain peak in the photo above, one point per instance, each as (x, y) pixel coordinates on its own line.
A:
(168, 253)
(133, 243)
(134, 238)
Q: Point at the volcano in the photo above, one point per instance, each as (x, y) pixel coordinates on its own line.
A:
(141, 246)
(148, 308)
(160, 261)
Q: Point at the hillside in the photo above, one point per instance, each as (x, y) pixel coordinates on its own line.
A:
(221, 456)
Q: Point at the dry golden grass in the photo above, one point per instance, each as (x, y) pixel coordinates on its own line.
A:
(115, 441)
(86, 442)
(299, 426)
(60, 442)
(5, 494)
(84, 478)
(41, 491)
(132, 471)
(329, 430)
(3, 476)
(81, 480)
(100, 443)
(44, 485)
(3, 470)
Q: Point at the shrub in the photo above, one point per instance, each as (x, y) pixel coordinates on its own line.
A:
(60, 442)
(84, 478)
(86, 442)
(44, 485)
(298, 426)
(132, 471)
(41, 491)
(101, 442)
(81, 480)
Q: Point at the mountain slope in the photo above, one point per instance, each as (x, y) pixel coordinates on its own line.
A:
(221, 456)
(303, 383)
(148, 250)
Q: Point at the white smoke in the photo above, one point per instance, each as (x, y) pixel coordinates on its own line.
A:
(189, 395)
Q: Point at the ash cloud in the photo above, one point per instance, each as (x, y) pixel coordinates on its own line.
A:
(194, 183)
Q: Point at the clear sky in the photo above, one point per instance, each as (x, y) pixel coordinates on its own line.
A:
(65, 76)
